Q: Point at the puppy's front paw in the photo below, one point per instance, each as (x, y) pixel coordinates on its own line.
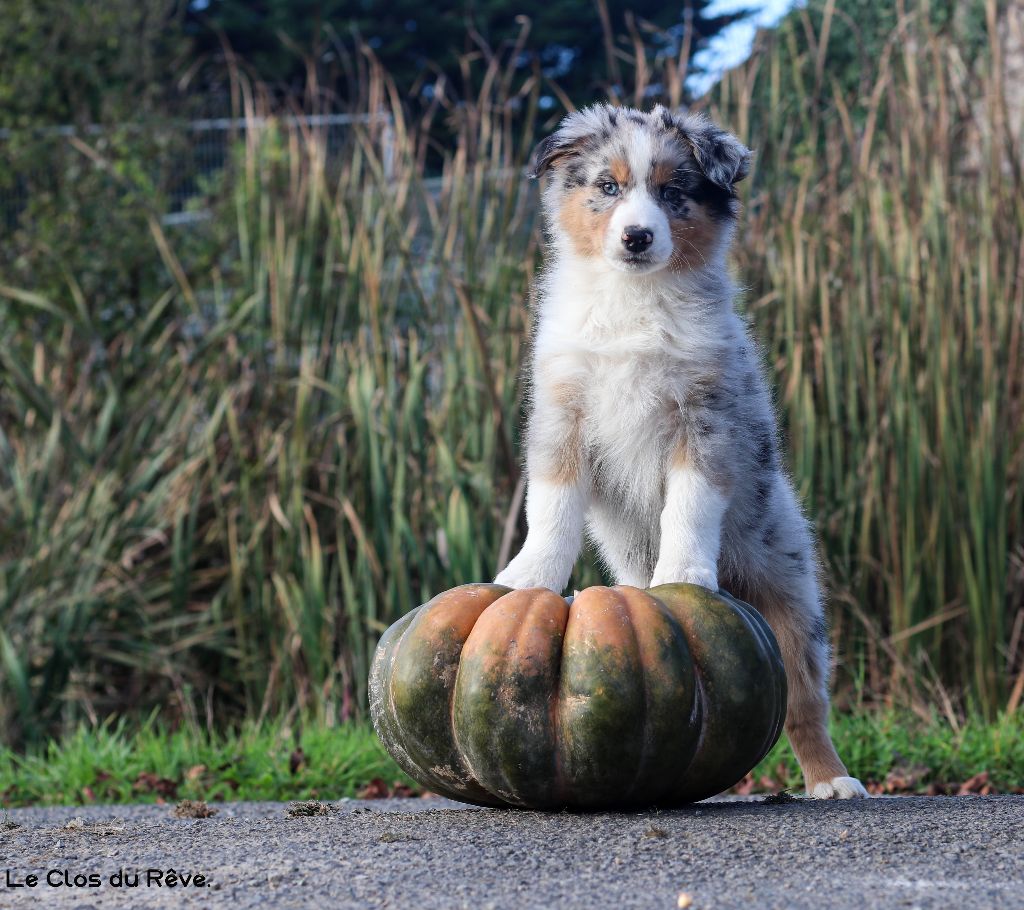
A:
(706, 578)
(839, 788)
(527, 571)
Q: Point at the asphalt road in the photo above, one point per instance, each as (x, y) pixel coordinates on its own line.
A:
(420, 854)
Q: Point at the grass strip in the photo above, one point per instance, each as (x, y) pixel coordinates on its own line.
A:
(894, 752)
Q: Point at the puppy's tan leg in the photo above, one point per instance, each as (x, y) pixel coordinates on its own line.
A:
(795, 618)
(825, 775)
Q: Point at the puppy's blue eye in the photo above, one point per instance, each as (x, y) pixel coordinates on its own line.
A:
(611, 188)
(672, 195)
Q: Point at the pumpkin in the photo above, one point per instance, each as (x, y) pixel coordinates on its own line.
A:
(617, 698)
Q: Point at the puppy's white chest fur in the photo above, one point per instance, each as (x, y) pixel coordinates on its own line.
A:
(635, 349)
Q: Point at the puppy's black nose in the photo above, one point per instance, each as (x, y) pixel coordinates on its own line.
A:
(637, 239)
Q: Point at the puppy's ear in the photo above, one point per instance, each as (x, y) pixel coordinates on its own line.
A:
(720, 155)
(576, 131)
(548, 152)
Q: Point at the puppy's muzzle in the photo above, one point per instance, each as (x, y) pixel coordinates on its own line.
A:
(637, 239)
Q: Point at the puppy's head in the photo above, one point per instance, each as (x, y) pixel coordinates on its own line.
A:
(641, 191)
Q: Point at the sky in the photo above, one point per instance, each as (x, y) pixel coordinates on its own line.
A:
(731, 46)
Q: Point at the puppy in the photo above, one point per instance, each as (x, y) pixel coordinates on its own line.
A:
(651, 427)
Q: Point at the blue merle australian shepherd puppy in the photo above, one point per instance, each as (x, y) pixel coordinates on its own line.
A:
(651, 427)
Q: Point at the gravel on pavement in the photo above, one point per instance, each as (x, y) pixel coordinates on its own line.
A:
(421, 854)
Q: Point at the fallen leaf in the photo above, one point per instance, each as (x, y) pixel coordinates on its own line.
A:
(978, 785)
(375, 789)
(745, 787)
(151, 783)
(905, 779)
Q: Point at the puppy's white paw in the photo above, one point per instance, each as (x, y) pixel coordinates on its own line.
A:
(839, 788)
(706, 578)
(526, 571)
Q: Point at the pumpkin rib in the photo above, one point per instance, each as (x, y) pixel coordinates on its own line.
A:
(558, 770)
(389, 720)
(525, 621)
(557, 733)
(701, 698)
(381, 690)
(719, 631)
(696, 721)
(697, 712)
(645, 698)
(452, 725)
(600, 669)
(760, 627)
(512, 619)
(757, 632)
(471, 790)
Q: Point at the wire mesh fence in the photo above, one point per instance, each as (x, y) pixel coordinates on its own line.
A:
(200, 151)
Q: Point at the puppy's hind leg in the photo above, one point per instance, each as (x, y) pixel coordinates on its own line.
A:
(796, 619)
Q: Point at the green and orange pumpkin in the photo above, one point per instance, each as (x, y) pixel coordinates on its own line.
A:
(617, 698)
